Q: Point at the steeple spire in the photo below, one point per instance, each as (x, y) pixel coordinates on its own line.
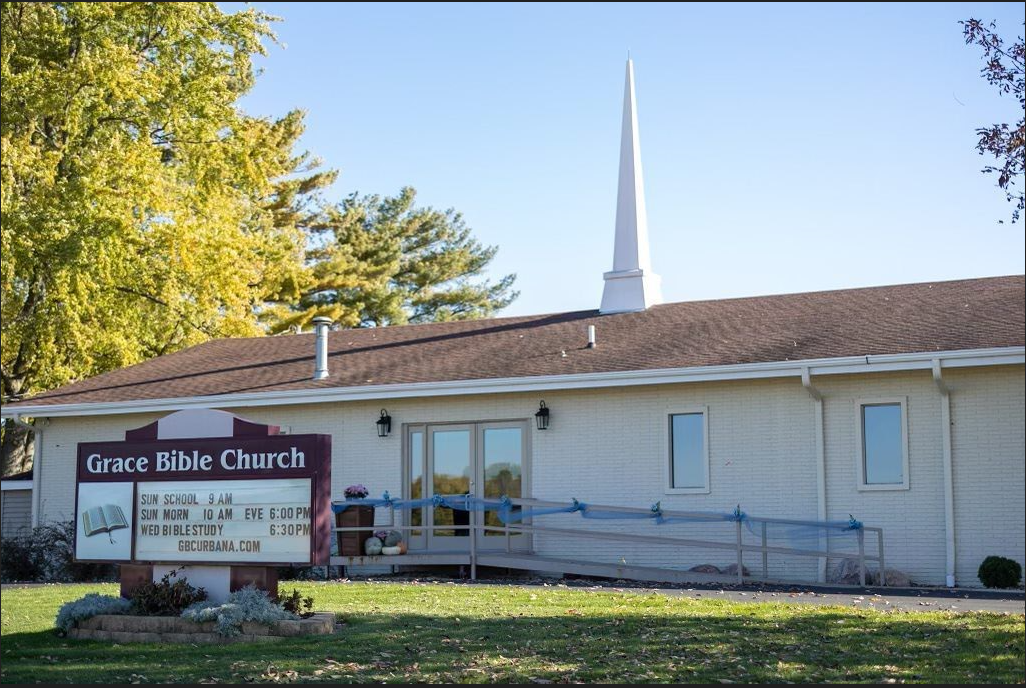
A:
(631, 285)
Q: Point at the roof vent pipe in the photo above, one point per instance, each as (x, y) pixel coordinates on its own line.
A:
(321, 328)
(591, 336)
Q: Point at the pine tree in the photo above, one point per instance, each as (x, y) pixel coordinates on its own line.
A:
(377, 261)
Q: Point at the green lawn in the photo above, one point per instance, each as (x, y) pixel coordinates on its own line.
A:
(474, 633)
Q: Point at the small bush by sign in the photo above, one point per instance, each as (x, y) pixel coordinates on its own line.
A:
(295, 603)
(165, 598)
(1000, 572)
(87, 607)
(301, 573)
(247, 604)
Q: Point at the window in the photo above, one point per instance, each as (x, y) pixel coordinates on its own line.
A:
(416, 477)
(688, 453)
(883, 445)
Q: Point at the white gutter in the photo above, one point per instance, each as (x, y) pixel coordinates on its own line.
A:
(821, 493)
(37, 455)
(949, 486)
(776, 369)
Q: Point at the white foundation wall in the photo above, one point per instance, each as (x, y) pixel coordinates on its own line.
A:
(609, 446)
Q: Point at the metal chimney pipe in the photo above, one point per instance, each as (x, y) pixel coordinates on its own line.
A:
(321, 325)
(591, 337)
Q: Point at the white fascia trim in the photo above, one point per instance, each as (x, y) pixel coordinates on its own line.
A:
(745, 371)
(7, 485)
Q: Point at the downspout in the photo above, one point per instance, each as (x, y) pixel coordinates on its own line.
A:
(949, 485)
(821, 494)
(37, 453)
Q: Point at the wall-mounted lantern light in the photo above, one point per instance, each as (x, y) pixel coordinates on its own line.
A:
(384, 424)
(542, 417)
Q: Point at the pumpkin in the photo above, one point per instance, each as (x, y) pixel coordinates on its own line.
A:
(393, 538)
(390, 550)
(372, 546)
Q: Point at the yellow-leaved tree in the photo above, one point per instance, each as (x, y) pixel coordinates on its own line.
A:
(142, 209)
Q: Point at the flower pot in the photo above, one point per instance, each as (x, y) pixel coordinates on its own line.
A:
(350, 543)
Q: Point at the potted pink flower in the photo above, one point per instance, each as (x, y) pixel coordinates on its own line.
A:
(350, 543)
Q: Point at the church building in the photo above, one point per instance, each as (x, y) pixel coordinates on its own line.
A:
(899, 407)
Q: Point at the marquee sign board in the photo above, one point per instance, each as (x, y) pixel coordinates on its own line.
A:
(253, 497)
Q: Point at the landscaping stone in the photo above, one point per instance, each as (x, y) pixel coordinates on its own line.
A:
(847, 573)
(115, 624)
(731, 570)
(892, 578)
(91, 624)
(173, 629)
(705, 568)
(253, 628)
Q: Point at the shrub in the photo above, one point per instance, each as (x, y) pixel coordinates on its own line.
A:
(165, 598)
(295, 603)
(20, 561)
(1000, 572)
(288, 573)
(87, 607)
(47, 554)
(302, 572)
(247, 604)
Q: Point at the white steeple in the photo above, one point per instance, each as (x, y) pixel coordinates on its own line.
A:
(631, 285)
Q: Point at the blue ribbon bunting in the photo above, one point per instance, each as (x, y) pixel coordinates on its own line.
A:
(508, 512)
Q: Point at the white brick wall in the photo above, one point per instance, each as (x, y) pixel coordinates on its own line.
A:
(987, 447)
(609, 447)
(913, 519)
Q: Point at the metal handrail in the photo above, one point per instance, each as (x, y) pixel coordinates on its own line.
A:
(738, 545)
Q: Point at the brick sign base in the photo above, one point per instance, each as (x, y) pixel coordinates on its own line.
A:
(174, 629)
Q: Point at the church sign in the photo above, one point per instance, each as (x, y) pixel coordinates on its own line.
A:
(248, 497)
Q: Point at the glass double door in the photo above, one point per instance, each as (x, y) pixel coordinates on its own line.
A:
(487, 460)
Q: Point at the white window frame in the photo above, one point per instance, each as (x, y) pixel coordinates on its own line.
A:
(860, 468)
(668, 448)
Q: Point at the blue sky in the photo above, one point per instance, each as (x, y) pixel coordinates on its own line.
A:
(786, 148)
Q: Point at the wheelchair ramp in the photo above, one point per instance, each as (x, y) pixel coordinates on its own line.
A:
(524, 518)
(533, 562)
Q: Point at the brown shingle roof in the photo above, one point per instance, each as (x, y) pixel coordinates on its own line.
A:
(940, 316)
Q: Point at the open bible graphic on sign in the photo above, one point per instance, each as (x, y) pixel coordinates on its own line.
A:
(103, 519)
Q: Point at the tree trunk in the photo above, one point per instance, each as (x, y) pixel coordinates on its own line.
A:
(15, 449)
